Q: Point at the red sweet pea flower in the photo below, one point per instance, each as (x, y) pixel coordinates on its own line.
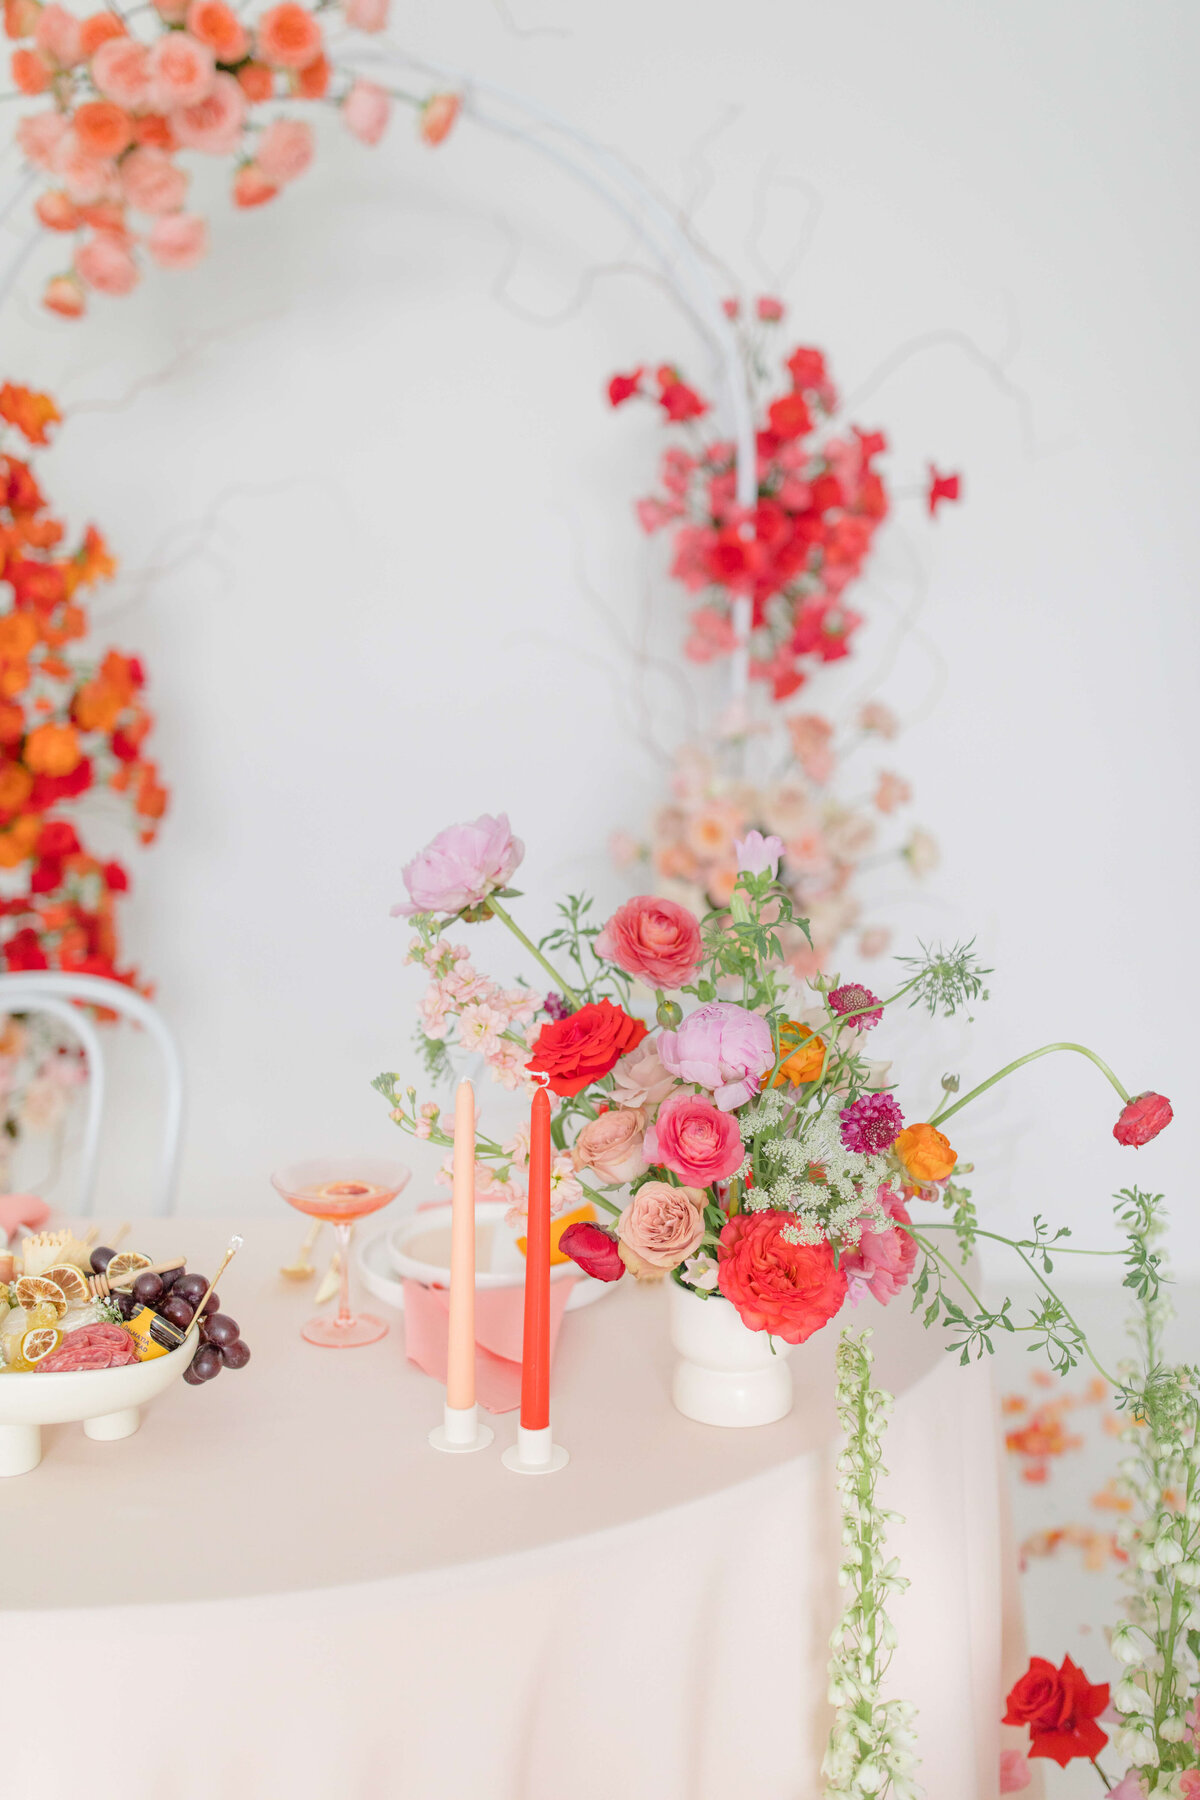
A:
(594, 1249)
(579, 1049)
(624, 387)
(942, 487)
(1144, 1117)
(1060, 1707)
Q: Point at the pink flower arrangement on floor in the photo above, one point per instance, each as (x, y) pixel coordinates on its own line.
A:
(820, 499)
(125, 101)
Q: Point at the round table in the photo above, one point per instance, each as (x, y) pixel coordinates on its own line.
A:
(278, 1590)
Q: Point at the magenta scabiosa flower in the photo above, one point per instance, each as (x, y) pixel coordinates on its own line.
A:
(850, 998)
(871, 1125)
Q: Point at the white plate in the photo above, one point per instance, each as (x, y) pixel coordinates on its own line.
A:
(377, 1266)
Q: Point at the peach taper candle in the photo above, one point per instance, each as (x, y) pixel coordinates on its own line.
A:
(460, 1429)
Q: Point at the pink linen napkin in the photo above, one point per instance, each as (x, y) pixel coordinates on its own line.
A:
(22, 1209)
(499, 1325)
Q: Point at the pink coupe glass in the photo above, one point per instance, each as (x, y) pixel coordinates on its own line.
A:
(341, 1189)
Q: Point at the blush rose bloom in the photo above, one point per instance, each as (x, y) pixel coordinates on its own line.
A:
(121, 71)
(182, 71)
(885, 1258)
(105, 263)
(789, 1290)
(612, 1146)
(695, 1140)
(461, 867)
(659, 1228)
(285, 150)
(214, 124)
(657, 941)
(179, 241)
(721, 1047)
(366, 111)
(639, 1079)
(152, 182)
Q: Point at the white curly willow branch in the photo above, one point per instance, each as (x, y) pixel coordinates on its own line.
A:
(594, 166)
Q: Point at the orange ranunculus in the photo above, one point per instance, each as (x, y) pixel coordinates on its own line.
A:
(94, 561)
(70, 623)
(925, 1153)
(312, 83)
(96, 29)
(256, 81)
(218, 26)
(56, 668)
(30, 72)
(42, 534)
(15, 785)
(97, 706)
(119, 672)
(806, 1054)
(102, 129)
(53, 750)
(151, 800)
(14, 678)
(19, 842)
(18, 635)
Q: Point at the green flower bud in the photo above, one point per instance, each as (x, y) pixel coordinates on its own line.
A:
(669, 1014)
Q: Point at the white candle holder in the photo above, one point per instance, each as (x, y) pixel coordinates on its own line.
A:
(461, 1431)
(535, 1453)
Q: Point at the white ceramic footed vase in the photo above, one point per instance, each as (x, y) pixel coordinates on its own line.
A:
(726, 1373)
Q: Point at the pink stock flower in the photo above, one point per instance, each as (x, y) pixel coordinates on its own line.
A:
(40, 136)
(461, 867)
(871, 1125)
(639, 1079)
(437, 117)
(152, 182)
(758, 855)
(214, 124)
(812, 740)
(612, 1145)
(886, 1256)
(857, 1004)
(182, 70)
(121, 71)
(1015, 1773)
(58, 36)
(695, 1141)
(657, 941)
(366, 111)
(366, 15)
(285, 150)
(178, 241)
(106, 264)
(721, 1047)
(660, 1227)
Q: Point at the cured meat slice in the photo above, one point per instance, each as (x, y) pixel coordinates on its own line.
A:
(99, 1346)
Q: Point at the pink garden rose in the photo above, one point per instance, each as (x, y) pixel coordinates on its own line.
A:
(612, 1146)
(285, 150)
(366, 15)
(40, 135)
(106, 264)
(178, 241)
(152, 181)
(660, 1227)
(214, 124)
(695, 1140)
(721, 1047)
(639, 1079)
(885, 1258)
(182, 70)
(658, 941)
(461, 867)
(366, 110)
(59, 37)
(85, 178)
(121, 71)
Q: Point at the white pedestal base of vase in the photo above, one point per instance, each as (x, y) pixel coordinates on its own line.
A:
(726, 1373)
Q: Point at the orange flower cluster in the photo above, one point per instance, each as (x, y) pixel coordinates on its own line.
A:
(69, 724)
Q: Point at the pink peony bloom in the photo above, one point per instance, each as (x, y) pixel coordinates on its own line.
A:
(121, 71)
(721, 1047)
(1142, 1119)
(178, 241)
(152, 182)
(58, 36)
(285, 150)
(1014, 1772)
(594, 1249)
(106, 263)
(885, 1258)
(871, 1125)
(40, 135)
(758, 855)
(660, 1227)
(695, 1140)
(612, 1146)
(461, 867)
(214, 124)
(182, 70)
(366, 15)
(366, 111)
(857, 1004)
(658, 941)
(639, 1079)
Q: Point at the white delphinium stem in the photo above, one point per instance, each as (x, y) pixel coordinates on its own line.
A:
(871, 1751)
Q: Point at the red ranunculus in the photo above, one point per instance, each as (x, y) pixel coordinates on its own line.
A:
(656, 940)
(1144, 1117)
(594, 1249)
(790, 1290)
(579, 1049)
(1060, 1707)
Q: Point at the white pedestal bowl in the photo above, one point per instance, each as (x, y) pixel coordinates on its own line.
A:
(107, 1401)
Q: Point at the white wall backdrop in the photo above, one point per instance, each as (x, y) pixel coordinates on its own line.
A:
(378, 550)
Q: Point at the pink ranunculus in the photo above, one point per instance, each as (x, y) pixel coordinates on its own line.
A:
(886, 1256)
(214, 124)
(721, 1047)
(106, 263)
(366, 15)
(1014, 1771)
(58, 36)
(758, 855)
(461, 867)
(285, 150)
(366, 111)
(182, 70)
(178, 241)
(152, 182)
(660, 1227)
(658, 941)
(612, 1145)
(40, 135)
(639, 1079)
(695, 1140)
(121, 71)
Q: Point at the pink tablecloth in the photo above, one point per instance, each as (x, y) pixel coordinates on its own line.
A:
(277, 1590)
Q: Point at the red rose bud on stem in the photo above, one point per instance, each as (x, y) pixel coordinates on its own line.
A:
(1144, 1117)
(594, 1249)
(1060, 1708)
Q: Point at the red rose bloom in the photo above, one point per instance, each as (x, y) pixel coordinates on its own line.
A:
(579, 1049)
(790, 1290)
(1143, 1119)
(594, 1249)
(656, 940)
(1060, 1707)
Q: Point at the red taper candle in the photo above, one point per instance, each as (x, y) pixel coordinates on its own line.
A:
(535, 1347)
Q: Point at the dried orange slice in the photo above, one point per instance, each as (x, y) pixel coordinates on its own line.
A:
(126, 1262)
(36, 1344)
(34, 1288)
(70, 1280)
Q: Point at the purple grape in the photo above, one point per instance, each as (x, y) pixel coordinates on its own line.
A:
(177, 1310)
(125, 1304)
(212, 1304)
(207, 1362)
(235, 1355)
(220, 1329)
(101, 1257)
(148, 1288)
(169, 1277)
(192, 1379)
(190, 1286)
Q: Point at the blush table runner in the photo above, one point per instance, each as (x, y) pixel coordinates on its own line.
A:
(276, 1589)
